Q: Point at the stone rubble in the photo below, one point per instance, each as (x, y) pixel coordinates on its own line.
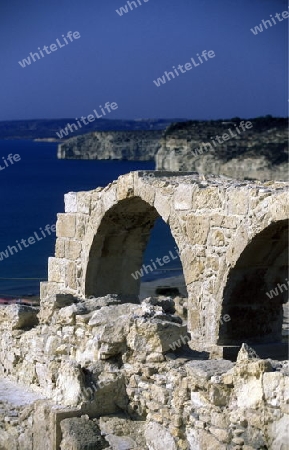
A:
(102, 366)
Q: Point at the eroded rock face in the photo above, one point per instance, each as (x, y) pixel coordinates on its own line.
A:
(259, 152)
(124, 145)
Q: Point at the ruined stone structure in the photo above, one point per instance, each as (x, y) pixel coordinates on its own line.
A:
(109, 372)
(232, 239)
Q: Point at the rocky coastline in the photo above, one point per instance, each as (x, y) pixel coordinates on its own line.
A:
(240, 149)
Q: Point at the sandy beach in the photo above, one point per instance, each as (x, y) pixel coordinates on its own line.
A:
(148, 288)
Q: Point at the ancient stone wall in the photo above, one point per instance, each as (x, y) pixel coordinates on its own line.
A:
(113, 372)
(102, 235)
(109, 367)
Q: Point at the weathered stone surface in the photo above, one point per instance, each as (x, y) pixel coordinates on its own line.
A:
(122, 433)
(246, 353)
(158, 437)
(18, 316)
(81, 434)
(65, 225)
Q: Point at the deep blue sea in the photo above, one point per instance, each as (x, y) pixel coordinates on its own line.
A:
(32, 193)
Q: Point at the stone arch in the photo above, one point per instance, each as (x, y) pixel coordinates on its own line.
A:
(118, 246)
(254, 317)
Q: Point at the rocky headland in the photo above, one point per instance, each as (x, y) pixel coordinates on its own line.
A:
(46, 129)
(122, 145)
(248, 149)
(256, 151)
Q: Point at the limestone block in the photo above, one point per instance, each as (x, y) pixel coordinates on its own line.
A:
(112, 325)
(216, 220)
(183, 197)
(249, 394)
(274, 389)
(208, 441)
(279, 207)
(125, 186)
(221, 435)
(246, 353)
(238, 201)
(237, 245)
(56, 269)
(80, 228)
(219, 420)
(219, 395)
(279, 432)
(65, 225)
(109, 197)
(72, 249)
(198, 400)
(70, 275)
(51, 344)
(144, 189)
(83, 202)
(18, 316)
(60, 248)
(120, 442)
(163, 206)
(207, 198)
(156, 337)
(197, 229)
(66, 315)
(193, 439)
(70, 202)
(48, 289)
(158, 437)
(193, 266)
(69, 384)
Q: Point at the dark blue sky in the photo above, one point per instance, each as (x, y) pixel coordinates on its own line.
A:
(117, 58)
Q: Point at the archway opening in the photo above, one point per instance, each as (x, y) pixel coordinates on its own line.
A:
(257, 290)
(127, 259)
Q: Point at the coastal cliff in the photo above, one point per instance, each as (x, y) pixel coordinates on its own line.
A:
(123, 145)
(248, 149)
(256, 151)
